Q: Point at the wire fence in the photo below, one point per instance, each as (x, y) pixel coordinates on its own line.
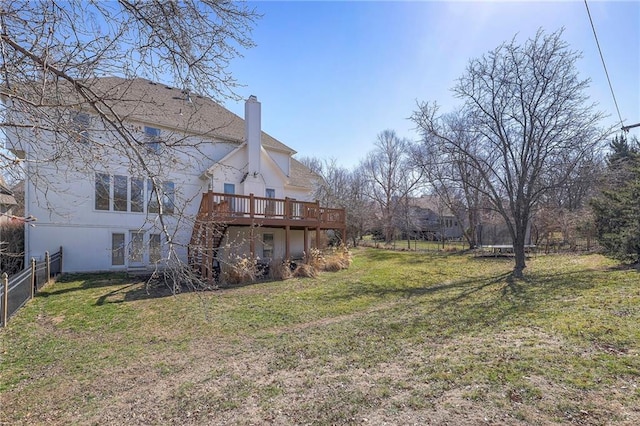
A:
(18, 289)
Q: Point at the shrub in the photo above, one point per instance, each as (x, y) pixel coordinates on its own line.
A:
(12, 247)
(243, 270)
(305, 271)
(337, 259)
(315, 258)
(280, 270)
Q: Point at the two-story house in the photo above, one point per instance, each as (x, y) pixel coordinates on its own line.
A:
(180, 176)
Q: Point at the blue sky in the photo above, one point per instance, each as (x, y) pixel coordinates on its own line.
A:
(332, 75)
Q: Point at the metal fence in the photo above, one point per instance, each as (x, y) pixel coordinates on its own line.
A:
(17, 289)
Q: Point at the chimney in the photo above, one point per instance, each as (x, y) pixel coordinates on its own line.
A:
(253, 133)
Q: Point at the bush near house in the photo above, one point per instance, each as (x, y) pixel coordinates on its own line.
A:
(11, 247)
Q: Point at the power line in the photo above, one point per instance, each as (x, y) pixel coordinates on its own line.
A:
(603, 63)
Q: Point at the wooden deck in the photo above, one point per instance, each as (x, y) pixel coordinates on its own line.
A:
(248, 210)
(220, 211)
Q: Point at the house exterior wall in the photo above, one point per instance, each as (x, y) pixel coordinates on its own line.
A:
(62, 196)
(237, 240)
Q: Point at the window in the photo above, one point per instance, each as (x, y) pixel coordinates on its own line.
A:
(152, 200)
(155, 248)
(120, 193)
(230, 188)
(270, 208)
(103, 187)
(168, 197)
(137, 195)
(152, 138)
(267, 246)
(117, 249)
(80, 126)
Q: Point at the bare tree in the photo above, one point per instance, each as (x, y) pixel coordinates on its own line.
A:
(390, 176)
(526, 106)
(454, 180)
(342, 188)
(53, 55)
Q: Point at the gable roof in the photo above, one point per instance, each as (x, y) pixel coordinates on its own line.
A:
(143, 101)
(301, 175)
(6, 195)
(431, 202)
(154, 103)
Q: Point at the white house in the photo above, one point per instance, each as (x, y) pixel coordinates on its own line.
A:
(224, 187)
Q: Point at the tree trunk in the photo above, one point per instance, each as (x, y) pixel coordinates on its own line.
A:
(519, 253)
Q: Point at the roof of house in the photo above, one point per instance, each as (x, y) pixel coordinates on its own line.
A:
(431, 202)
(143, 101)
(154, 103)
(301, 175)
(6, 195)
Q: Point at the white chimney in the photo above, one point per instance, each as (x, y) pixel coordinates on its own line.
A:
(252, 133)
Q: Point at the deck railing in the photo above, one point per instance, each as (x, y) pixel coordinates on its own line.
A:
(226, 207)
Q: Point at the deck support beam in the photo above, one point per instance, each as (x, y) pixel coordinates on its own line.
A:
(252, 242)
(287, 243)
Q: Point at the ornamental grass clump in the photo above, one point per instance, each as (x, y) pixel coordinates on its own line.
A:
(305, 270)
(243, 270)
(338, 259)
(280, 270)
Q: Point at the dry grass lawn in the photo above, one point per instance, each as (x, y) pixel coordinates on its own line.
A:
(399, 338)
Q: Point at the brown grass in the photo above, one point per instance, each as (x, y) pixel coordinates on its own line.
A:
(305, 270)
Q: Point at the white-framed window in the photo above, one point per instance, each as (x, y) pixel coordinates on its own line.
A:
(120, 193)
(152, 139)
(267, 246)
(102, 191)
(155, 248)
(167, 197)
(137, 195)
(117, 249)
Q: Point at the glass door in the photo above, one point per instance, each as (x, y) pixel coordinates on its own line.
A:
(136, 248)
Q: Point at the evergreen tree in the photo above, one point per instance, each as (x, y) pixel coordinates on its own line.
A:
(617, 209)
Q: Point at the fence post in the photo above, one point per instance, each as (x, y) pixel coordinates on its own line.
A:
(5, 298)
(60, 260)
(47, 260)
(33, 277)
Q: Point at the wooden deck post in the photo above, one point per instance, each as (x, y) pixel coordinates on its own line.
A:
(252, 242)
(287, 243)
(306, 244)
(252, 207)
(287, 208)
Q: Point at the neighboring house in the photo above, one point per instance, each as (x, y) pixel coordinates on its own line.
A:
(431, 220)
(227, 189)
(8, 203)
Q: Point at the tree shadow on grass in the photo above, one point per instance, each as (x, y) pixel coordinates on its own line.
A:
(121, 287)
(134, 292)
(85, 281)
(471, 303)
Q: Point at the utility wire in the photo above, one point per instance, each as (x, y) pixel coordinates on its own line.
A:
(603, 63)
